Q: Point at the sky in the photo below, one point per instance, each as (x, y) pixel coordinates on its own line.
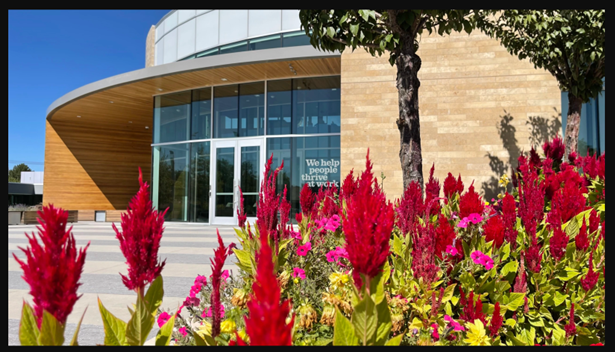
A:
(52, 52)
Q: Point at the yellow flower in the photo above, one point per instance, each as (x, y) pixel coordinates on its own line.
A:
(242, 334)
(296, 280)
(476, 334)
(504, 180)
(205, 329)
(338, 279)
(227, 326)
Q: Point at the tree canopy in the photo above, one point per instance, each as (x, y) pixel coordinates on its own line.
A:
(15, 172)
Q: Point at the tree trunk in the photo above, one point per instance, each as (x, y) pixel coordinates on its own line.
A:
(573, 121)
(408, 65)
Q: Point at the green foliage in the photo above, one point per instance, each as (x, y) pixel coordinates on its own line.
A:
(15, 172)
(570, 44)
(379, 31)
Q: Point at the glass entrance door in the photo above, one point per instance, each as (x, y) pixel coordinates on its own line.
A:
(236, 164)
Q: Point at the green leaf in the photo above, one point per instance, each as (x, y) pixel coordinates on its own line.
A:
(395, 341)
(331, 32)
(505, 252)
(448, 293)
(559, 337)
(153, 296)
(384, 323)
(365, 320)
(52, 331)
(397, 246)
(559, 298)
(487, 287)
(198, 340)
(354, 29)
(163, 337)
(343, 331)
(74, 342)
(509, 267)
(511, 322)
(115, 329)
(364, 14)
(515, 340)
(139, 325)
(28, 329)
(515, 301)
(565, 275)
(343, 19)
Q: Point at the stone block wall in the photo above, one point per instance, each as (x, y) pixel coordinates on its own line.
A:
(479, 107)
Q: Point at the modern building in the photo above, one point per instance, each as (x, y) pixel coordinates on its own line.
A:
(223, 90)
(29, 191)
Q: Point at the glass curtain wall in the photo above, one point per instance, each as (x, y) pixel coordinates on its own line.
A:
(302, 129)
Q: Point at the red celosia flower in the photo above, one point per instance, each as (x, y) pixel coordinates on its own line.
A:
(348, 186)
(494, 230)
(559, 240)
(534, 257)
(306, 200)
(266, 323)
(432, 193)
(571, 328)
(572, 157)
(496, 320)
(368, 224)
(220, 255)
(284, 216)
(554, 149)
(241, 213)
(581, 239)
(473, 310)
(451, 186)
(409, 207)
(268, 204)
(435, 304)
(326, 201)
(53, 269)
(535, 161)
(531, 198)
(590, 280)
(594, 221)
(445, 235)
(470, 202)
(142, 228)
(520, 285)
(423, 254)
(509, 215)
(569, 200)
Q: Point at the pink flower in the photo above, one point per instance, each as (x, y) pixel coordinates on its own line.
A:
(200, 279)
(451, 250)
(208, 314)
(463, 223)
(477, 257)
(183, 331)
(191, 301)
(224, 276)
(434, 333)
(331, 256)
(341, 252)
(303, 250)
(456, 326)
(333, 223)
(163, 318)
(488, 262)
(475, 218)
(298, 272)
(295, 234)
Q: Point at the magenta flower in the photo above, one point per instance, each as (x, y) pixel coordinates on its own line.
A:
(451, 250)
(163, 318)
(303, 250)
(488, 262)
(298, 272)
(331, 256)
(224, 276)
(183, 331)
(220, 255)
(463, 223)
(295, 234)
(333, 223)
(142, 228)
(52, 268)
(341, 252)
(191, 301)
(200, 279)
(456, 326)
(208, 314)
(434, 333)
(477, 257)
(475, 218)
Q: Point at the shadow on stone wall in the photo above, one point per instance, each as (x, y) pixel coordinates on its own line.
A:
(540, 129)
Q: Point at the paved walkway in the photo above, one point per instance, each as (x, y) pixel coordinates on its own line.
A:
(186, 247)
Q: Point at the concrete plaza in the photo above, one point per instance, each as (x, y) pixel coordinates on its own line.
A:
(186, 247)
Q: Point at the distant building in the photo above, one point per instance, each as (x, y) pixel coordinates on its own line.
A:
(29, 191)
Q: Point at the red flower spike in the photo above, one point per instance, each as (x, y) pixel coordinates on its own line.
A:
(368, 224)
(432, 193)
(554, 149)
(581, 240)
(142, 228)
(266, 322)
(284, 215)
(531, 198)
(306, 200)
(559, 240)
(325, 201)
(571, 328)
(494, 230)
(594, 221)
(53, 269)
(409, 207)
(268, 204)
(423, 254)
(470, 202)
(590, 280)
(496, 321)
(241, 213)
(509, 215)
(220, 255)
(472, 310)
(534, 158)
(349, 186)
(534, 257)
(521, 281)
(450, 186)
(445, 235)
